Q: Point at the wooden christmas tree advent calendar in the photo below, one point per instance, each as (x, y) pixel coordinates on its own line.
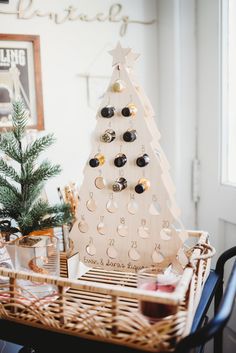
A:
(127, 215)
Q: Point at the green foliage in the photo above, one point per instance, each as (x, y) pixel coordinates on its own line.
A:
(21, 187)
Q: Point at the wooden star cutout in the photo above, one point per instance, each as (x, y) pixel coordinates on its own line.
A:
(119, 54)
(131, 58)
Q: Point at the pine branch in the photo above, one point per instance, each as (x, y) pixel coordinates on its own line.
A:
(42, 209)
(51, 222)
(4, 183)
(39, 145)
(19, 119)
(10, 147)
(43, 216)
(25, 223)
(39, 210)
(63, 208)
(44, 172)
(9, 171)
(27, 170)
(32, 194)
(10, 202)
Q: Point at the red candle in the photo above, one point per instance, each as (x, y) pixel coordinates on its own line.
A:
(150, 279)
(155, 311)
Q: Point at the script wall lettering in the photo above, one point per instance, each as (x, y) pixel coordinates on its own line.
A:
(26, 10)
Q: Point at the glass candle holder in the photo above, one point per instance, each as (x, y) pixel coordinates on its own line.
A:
(8, 246)
(7, 255)
(38, 254)
(154, 279)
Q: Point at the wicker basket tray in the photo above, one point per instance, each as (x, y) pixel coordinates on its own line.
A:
(104, 305)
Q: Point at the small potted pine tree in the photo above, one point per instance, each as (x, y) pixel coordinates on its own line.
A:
(22, 208)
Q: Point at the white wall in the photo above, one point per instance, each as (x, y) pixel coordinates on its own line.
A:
(74, 48)
(177, 96)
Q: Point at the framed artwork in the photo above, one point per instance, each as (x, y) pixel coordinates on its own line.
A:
(20, 76)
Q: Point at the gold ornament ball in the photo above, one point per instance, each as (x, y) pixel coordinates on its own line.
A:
(118, 86)
(133, 109)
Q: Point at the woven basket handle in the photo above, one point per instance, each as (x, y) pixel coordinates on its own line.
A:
(207, 252)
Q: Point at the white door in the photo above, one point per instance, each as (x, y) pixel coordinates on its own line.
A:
(216, 121)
